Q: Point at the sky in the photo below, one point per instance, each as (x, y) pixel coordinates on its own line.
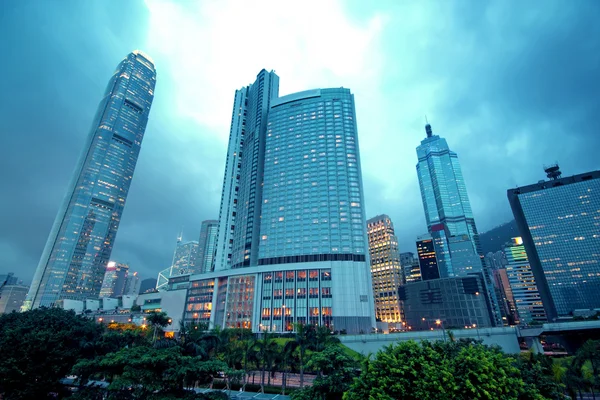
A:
(511, 86)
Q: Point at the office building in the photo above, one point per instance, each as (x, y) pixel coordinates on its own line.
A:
(115, 278)
(207, 246)
(147, 285)
(455, 302)
(559, 221)
(185, 258)
(433, 256)
(12, 297)
(505, 297)
(80, 243)
(448, 211)
(291, 243)
(386, 271)
(8, 279)
(411, 267)
(526, 296)
(132, 284)
(495, 260)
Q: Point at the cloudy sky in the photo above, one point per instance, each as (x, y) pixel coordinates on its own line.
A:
(510, 86)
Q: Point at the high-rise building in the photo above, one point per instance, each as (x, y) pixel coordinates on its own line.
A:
(495, 260)
(241, 198)
(506, 300)
(147, 285)
(291, 243)
(132, 284)
(12, 297)
(8, 279)
(207, 246)
(78, 249)
(522, 283)
(559, 224)
(386, 271)
(114, 279)
(448, 210)
(411, 267)
(185, 258)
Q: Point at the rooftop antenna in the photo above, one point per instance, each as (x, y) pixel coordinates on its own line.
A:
(552, 171)
(428, 128)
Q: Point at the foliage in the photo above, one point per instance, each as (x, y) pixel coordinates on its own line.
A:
(453, 370)
(539, 372)
(39, 347)
(336, 373)
(146, 373)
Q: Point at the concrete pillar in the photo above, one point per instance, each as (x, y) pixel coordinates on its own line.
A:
(534, 344)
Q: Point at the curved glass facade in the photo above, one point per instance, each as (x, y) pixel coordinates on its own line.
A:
(82, 237)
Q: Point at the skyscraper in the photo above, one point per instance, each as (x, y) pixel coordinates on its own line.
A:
(206, 246)
(522, 283)
(444, 195)
(291, 243)
(185, 258)
(434, 258)
(114, 281)
(559, 223)
(241, 198)
(81, 240)
(386, 272)
(448, 210)
(132, 284)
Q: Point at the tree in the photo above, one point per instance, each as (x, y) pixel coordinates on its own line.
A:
(267, 350)
(148, 373)
(441, 371)
(305, 336)
(337, 371)
(39, 347)
(158, 320)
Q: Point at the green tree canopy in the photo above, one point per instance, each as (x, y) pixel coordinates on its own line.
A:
(439, 371)
(39, 347)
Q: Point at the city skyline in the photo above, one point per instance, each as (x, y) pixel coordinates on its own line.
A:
(190, 144)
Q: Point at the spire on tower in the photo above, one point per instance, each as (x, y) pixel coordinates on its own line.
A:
(180, 236)
(428, 128)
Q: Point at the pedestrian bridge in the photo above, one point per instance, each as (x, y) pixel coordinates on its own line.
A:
(505, 337)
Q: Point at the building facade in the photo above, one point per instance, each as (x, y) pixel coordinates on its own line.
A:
(559, 221)
(207, 246)
(115, 278)
(12, 297)
(132, 284)
(446, 303)
(523, 288)
(78, 249)
(185, 258)
(386, 271)
(411, 267)
(294, 249)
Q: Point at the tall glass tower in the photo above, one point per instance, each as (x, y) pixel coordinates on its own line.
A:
(448, 211)
(445, 200)
(81, 240)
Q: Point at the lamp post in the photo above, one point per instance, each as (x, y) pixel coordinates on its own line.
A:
(440, 323)
(476, 327)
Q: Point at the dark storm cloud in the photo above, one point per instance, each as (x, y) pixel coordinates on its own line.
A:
(511, 88)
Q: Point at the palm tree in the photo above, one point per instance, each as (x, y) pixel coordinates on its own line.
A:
(158, 319)
(267, 349)
(248, 347)
(306, 338)
(324, 338)
(286, 357)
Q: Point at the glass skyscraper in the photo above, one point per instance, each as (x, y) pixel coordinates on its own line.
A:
(444, 196)
(78, 249)
(184, 258)
(448, 211)
(115, 279)
(207, 246)
(559, 221)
